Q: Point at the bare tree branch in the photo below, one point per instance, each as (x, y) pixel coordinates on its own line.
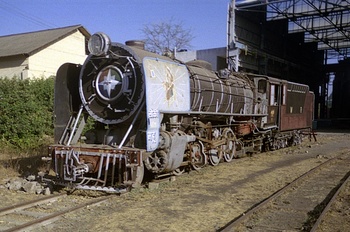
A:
(167, 36)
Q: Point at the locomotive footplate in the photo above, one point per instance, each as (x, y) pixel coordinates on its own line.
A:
(97, 167)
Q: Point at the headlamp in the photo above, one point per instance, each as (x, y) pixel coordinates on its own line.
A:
(99, 44)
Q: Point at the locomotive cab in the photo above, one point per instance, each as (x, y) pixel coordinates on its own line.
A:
(275, 100)
(288, 104)
(268, 97)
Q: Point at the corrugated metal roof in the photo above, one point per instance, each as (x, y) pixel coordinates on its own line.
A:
(32, 42)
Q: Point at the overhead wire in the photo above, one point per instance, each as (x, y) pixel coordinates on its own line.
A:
(46, 69)
(25, 15)
(21, 13)
(45, 25)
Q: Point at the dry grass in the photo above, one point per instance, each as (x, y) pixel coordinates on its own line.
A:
(204, 200)
(14, 162)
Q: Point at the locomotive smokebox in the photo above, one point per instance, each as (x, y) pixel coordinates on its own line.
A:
(111, 86)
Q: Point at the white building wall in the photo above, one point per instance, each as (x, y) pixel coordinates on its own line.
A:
(13, 66)
(46, 62)
(209, 55)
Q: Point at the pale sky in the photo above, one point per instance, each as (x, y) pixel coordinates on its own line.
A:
(120, 19)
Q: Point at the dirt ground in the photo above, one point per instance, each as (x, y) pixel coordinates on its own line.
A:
(198, 201)
(339, 211)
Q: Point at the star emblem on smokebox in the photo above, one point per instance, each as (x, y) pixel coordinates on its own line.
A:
(108, 84)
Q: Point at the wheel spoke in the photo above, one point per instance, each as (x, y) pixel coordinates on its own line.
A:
(157, 161)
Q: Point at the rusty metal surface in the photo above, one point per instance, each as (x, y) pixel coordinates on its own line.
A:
(298, 120)
(96, 165)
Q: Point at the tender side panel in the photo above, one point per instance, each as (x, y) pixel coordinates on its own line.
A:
(309, 108)
(297, 112)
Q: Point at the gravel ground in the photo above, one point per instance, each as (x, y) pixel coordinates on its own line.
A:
(199, 201)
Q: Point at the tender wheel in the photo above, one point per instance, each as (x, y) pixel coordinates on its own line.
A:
(296, 138)
(277, 144)
(198, 159)
(214, 157)
(229, 149)
(156, 162)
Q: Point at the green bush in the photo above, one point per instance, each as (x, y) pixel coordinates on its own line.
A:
(26, 108)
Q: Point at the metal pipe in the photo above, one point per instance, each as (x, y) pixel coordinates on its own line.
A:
(106, 169)
(100, 168)
(113, 169)
(75, 125)
(131, 125)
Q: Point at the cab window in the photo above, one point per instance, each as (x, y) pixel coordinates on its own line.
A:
(274, 93)
(262, 86)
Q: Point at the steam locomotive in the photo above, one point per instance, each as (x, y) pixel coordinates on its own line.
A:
(127, 111)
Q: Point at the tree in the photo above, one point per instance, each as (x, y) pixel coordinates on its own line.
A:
(165, 37)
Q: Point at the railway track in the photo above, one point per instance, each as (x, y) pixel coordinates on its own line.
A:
(29, 215)
(324, 218)
(299, 205)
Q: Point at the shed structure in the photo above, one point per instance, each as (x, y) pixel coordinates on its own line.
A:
(40, 53)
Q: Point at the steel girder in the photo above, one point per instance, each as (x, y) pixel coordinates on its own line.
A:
(326, 22)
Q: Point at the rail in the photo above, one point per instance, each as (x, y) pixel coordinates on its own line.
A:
(20, 209)
(264, 215)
